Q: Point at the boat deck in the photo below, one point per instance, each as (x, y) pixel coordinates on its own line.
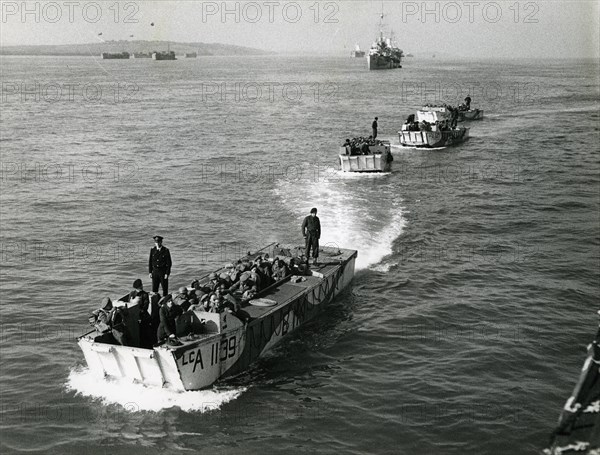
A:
(289, 290)
(282, 294)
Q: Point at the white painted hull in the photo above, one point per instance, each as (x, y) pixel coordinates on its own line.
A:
(231, 346)
(379, 159)
(433, 139)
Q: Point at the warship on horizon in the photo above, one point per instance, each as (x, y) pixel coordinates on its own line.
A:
(384, 53)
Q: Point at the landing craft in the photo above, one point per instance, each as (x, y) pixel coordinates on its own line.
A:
(378, 158)
(115, 56)
(357, 53)
(438, 133)
(221, 345)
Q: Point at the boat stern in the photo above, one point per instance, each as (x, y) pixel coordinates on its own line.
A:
(378, 160)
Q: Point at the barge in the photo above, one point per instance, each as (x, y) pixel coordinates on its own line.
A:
(379, 159)
(224, 344)
(169, 55)
(115, 56)
(433, 127)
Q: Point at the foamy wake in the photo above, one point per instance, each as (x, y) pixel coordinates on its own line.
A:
(357, 211)
(136, 397)
(383, 267)
(409, 147)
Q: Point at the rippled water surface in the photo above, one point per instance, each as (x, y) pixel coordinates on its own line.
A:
(465, 326)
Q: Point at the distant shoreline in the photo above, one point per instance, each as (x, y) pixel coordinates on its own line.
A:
(96, 49)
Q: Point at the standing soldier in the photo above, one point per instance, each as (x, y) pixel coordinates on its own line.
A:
(374, 126)
(311, 230)
(159, 265)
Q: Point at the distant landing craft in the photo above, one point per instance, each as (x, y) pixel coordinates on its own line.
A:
(357, 53)
(115, 56)
(169, 55)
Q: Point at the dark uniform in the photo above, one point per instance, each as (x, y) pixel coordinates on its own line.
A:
(149, 319)
(468, 102)
(374, 126)
(159, 266)
(311, 230)
(454, 117)
(167, 326)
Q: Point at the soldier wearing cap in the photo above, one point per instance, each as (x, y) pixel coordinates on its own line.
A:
(311, 230)
(159, 265)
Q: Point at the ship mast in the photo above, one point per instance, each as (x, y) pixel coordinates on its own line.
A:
(381, 24)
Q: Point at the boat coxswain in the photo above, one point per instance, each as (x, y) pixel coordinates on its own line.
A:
(311, 230)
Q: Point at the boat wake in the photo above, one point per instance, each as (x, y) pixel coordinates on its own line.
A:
(357, 211)
(138, 398)
(410, 147)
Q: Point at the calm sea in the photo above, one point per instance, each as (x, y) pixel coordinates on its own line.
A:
(478, 276)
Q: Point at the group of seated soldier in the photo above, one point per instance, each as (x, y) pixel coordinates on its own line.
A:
(447, 106)
(239, 283)
(360, 145)
(440, 125)
(461, 107)
(140, 319)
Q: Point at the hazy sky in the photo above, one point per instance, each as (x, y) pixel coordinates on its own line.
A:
(541, 28)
